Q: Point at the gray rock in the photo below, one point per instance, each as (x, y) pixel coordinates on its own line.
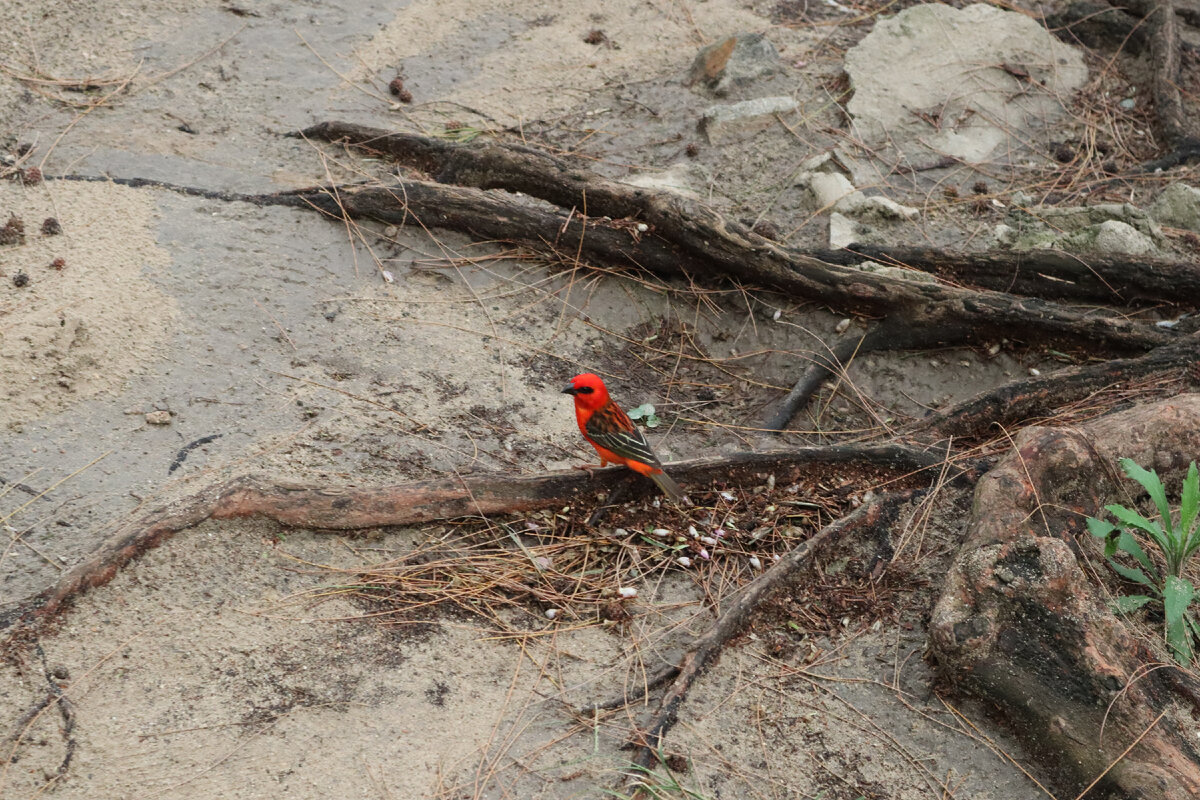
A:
(930, 80)
(1070, 219)
(740, 120)
(844, 231)
(1104, 227)
(688, 180)
(1114, 236)
(1179, 207)
(733, 61)
(827, 188)
(832, 190)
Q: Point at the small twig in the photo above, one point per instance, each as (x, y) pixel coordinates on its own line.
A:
(819, 369)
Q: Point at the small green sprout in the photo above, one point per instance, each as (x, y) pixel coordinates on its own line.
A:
(645, 412)
(1176, 542)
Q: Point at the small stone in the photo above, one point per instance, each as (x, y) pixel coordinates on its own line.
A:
(20, 280)
(843, 326)
(1114, 236)
(1178, 206)
(741, 120)
(51, 226)
(159, 417)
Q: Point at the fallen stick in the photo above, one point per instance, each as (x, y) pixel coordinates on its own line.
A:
(352, 508)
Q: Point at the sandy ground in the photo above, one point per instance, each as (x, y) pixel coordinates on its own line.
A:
(276, 340)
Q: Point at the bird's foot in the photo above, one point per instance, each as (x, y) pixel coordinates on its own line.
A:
(590, 469)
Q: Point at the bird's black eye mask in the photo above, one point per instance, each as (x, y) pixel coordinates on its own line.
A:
(572, 389)
(585, 390)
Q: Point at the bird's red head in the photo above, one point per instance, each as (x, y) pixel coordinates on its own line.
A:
(589, 391)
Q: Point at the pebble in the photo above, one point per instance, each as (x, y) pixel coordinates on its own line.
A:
(159, 417)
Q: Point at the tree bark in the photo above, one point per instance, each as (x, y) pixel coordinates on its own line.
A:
(1021, 625)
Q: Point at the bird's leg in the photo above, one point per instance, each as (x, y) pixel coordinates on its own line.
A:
(588, 468)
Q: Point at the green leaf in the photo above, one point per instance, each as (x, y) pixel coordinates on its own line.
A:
(652, 421)
(1130, 603)
(1128, 544)
(1177, 595)
(1133, 574)
(1136, 520)
(1189, 504)
(637, 413)
(1149, 479)
(1100, 527)
(1193, 623)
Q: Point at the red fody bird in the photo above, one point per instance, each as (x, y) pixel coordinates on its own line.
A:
(613, 434)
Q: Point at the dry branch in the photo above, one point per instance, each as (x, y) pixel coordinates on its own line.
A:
(822, 366)
(351, 508)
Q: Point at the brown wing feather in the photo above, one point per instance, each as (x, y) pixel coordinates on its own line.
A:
(611, 428)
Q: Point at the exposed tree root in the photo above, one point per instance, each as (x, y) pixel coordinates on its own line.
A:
(350, 508)
(684, 238)
(876, 514)
(1026, 399)
(1099, 23)
(1045, 273)
(1021, 625)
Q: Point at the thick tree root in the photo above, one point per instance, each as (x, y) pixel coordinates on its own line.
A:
(350, 508)
(1021, 625)
(684, 238)
(1049, 274)
(985, 414)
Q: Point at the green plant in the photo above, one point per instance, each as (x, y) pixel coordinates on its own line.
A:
(652, 785)
(1176, 542)
(645, 413)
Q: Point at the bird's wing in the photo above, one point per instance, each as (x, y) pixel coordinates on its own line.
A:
(611, 428)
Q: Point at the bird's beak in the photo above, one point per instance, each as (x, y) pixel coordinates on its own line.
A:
(570, 389)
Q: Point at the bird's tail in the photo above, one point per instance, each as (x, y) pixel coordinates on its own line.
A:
(669, 486)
